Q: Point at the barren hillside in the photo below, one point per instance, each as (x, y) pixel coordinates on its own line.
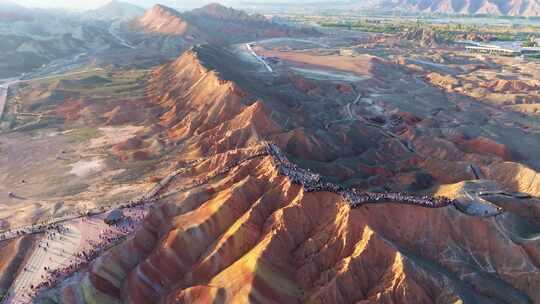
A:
(235, 227)
(213, 23)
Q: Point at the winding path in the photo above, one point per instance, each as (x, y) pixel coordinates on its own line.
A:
(117, 37)
(4, 88)
(259, 58)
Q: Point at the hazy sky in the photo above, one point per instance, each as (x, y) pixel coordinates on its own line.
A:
(87, 4)
(74, 4)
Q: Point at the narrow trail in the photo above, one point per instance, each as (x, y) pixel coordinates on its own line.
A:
(121, 40)
(407, 146)
(3, 99)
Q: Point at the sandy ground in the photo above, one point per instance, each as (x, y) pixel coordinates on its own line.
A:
(50, 175)
(327, 75)
(84, 168)
(114, 135)
(25, 159)
(357, 65)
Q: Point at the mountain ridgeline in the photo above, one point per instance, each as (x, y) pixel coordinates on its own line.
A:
(523, 8)
(213, 23)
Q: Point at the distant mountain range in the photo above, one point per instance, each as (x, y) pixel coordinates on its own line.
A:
(116, 10)
(525, 8)
(132, 8)
(11, 12)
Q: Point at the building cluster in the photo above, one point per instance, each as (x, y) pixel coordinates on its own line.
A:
(501, 48)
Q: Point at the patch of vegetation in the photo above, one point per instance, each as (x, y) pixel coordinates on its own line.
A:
(84, 134)
(57, 180)
(69, 190)
(366, 26)
(447, 31)
(43, 123)
(93, 80)
(135, 171)
(534, 56)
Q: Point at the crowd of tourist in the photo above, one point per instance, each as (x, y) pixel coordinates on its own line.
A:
(51, 223)
(79, 260)
(312, 183)
(224, 170)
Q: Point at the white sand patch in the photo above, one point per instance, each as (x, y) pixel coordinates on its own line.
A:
(114, 135)
(327, 75)
(53, 134)
(83, 168)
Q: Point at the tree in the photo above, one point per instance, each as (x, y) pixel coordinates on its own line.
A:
(530, 42)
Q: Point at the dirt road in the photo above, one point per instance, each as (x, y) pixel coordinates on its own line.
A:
(3, 98)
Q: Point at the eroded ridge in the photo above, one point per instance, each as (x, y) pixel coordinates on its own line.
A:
(312, 183)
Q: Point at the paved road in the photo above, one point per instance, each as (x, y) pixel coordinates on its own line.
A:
(259, 58)
(122, 41)
(3, 98)
(4, 88)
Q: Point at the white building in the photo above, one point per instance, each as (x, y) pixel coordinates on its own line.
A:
(509, 48)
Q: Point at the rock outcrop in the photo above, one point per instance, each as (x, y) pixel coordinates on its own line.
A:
(162, 20)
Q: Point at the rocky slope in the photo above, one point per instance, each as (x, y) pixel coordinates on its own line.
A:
(232, 229)
(115, 10)
(213, 23)
(163, 20)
